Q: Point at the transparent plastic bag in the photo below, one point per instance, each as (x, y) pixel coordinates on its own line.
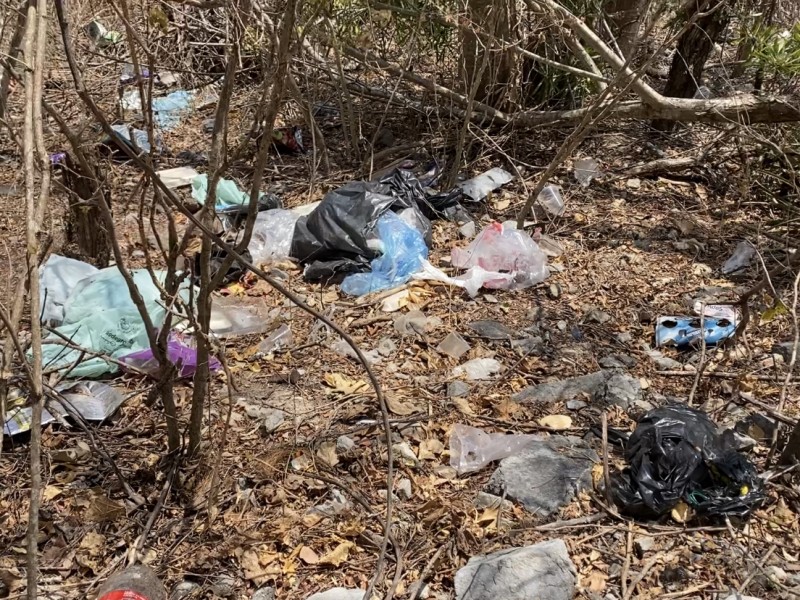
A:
(181, 351)
(471, 448)
(501, 257)
(740, 259)
(272, 235)
(551, 200)
(228, 193)
(403, 249)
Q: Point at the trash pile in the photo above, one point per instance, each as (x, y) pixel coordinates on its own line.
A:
(676, 459)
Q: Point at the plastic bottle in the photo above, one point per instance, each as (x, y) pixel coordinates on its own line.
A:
(134, 583)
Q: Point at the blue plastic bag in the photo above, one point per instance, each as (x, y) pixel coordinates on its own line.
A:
(404, 249)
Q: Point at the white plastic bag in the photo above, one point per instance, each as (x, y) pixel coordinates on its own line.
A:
(57, 279)
(501, 257)
(272, 235)
(471, 449)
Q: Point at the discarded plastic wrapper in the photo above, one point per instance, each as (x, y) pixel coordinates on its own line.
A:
(272, 235)
(740, 258)
(551, 200)
(57, 279)
(501, 257)
(279, 339)
(479, 187)
(127, 76)
(100, 35)
(403, 251)
(177, 177)
(674, 454)
(719, 311)
(169, 110)
(140, 138)
(100, 316)
(703, 93)
(471, 449)
(92, 400)
(288, 139)
(229, 196)
(230, 317)
(683, 332)
(478, 369)
(586, 169)
(181, 351)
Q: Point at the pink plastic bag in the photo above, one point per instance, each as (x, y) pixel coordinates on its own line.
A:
(501, 257)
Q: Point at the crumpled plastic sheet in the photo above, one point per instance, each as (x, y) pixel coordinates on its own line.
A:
(501, 257)
(339, 236)
(100, 316)
(272, 235)
(674, 454)
(181, 351)
(471, 448)
(58, 277)
(403, 252)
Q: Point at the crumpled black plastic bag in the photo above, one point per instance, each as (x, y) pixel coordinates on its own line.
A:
(338, 236)
(675, 453)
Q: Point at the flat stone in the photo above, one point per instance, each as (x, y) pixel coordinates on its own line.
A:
(546, 474)
(576, 404)
(532, 344)
(386, 347)
(457, 389)
(338, 593)
(492, 330)
(664, 363)
(619, 390)
(183, 590)
(273, 418)
(784, 349)
(543, 571)
(264, 593)
(403, 489)
(565, 389)
(643, 544)
(453, 345)
(597, 316)
(617, 361)
(224, 587)
(345, 444)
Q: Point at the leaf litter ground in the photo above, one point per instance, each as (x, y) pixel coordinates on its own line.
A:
(298, 504)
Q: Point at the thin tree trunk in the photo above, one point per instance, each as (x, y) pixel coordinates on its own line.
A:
(14, 50)
(625, 18)
(694, 48)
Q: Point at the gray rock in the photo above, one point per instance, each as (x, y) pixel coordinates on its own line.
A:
(264, 593)
(224, 587)
(576, 404)
(624, 337)
(338, 593)
(617, 361)
(596, 315)
(273, 418)
(543, 571)
(566, 389)
(386, 347)
(492, 330)
(532, 344)
(457, 389)
(403, 489)
(643, 544)
(784, 349)
(184, 589)
(620, 390)
(546, 474)
(664, 363)
(345, 444)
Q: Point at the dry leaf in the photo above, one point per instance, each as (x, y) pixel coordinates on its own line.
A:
(308, 556)
(430, 449)
(343, 385)
(327, 453)
(463, 406)
(92, 543)
(596, 581)
(338, 555)
(399, 407)
(557, 422)
(681, 513)
(50, 492)
(99, 508)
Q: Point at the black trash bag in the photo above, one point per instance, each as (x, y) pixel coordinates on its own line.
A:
(675, 453)
(445, 205)
(338, 237)
(235, 272)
